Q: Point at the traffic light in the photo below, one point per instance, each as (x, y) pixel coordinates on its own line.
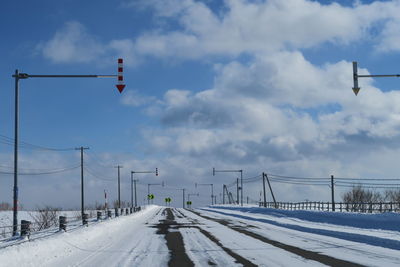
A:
(156, 171)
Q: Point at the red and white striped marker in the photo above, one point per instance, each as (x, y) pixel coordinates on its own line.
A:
(120, 84)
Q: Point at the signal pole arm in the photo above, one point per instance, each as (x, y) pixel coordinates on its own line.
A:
(356, 88)
(241, 180)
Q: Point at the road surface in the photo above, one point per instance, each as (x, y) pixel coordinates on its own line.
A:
(162, 236)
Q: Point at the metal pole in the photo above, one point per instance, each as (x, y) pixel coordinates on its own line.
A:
(82, 185)
(333, 193)
(119, 186)
(135, 193)
(183, 198)
(18, 76)
(148, 194)
(82, 191)
(119, 189)
(265, 197)
(212, 194)
(270, 188)
(15, 208)
(223, 194)
(241, 186)
(237, 190)
(131, 189)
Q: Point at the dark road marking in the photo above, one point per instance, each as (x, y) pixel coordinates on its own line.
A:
(311, 255)
(174, 241)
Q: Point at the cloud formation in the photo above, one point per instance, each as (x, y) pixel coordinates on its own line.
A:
(269, 107)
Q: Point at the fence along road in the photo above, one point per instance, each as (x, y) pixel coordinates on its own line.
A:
(162, 236)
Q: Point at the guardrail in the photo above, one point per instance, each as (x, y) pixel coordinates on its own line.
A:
(371, 207)
(32, 230)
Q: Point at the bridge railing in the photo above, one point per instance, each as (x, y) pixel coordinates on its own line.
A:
(363, 207)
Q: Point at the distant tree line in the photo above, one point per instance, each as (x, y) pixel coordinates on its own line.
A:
(359, 194)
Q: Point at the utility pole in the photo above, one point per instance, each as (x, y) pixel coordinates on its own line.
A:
(148, 190)
(82, 184)
(183, 195)
(119, 185)
(241, 181)
(333, 193)
(135, 192)
(270, 188)
(223, 194)
(265, 197)
(15, 191)
(19, 76)
(133, 186)
(237, 190)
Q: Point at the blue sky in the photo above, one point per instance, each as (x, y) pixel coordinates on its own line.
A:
(253, 85)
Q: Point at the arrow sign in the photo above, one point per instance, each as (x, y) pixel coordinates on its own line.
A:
(120, 86)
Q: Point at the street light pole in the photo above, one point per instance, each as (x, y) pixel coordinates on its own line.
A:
(134, 181)
(241, 180)
(132, 190)
(17, 77)
(15, 191)
(148, 186)
(119, 185)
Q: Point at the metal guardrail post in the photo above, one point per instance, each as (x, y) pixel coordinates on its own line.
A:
(116, 212)
(62, 223)
(99, 215)
(109, 213)
(25, 228)
(85, 218)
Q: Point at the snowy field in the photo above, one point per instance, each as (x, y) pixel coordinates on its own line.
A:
(221, 236)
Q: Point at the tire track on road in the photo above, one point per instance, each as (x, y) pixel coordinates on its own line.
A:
(307, 254)
(176, 245)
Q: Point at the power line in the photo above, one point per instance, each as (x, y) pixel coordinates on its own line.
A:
(95, 159)
(44, 173)
(294, 177)
(95, 175)
(10, 141)
(300, 183)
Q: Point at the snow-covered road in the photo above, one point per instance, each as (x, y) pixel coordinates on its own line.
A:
(160, 236)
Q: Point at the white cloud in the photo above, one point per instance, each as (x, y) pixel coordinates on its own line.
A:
(263, 26)
(277, 111)
(72, 43)
(135, 99)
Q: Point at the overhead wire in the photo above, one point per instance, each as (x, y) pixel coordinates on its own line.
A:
(55, 171)
(10, 141)
(95, 175)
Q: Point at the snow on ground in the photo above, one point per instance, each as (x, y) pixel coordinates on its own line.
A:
(368, 247)
(110, 243)
(256, 251)
(371, 240)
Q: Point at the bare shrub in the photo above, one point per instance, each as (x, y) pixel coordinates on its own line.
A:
(358, 197)
(392, 195)
(44, 218)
